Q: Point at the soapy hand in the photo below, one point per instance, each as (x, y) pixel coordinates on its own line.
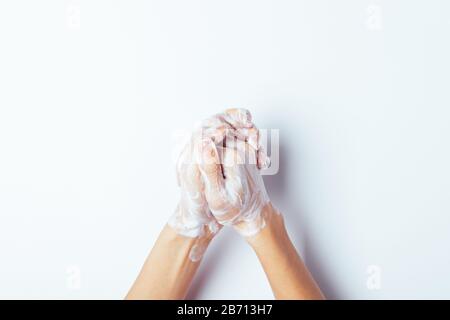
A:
(218, 173)
(232, 157)
(234, 187)
(232, 126)
(192, 217)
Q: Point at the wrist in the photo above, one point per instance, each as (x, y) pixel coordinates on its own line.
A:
(193, 222)
(273, 232)
(191, 248)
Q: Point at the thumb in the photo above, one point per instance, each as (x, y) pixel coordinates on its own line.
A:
(210, 167)
(215, 190)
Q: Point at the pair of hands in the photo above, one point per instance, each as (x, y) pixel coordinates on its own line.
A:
(218, 172)
(219, 176)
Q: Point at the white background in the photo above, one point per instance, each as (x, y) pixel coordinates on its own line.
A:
(91, 91)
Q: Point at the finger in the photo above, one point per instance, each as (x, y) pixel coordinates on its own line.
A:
(245, 153)
(255, 151)
(214, 128)
(231, 123)
(235, 184)
(222, 202)
(238, 118)
(251, 136)
(263, 159)
(210, 167)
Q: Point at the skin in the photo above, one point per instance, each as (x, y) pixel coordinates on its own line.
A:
(168, 272)
(169, 269)
(288, 276)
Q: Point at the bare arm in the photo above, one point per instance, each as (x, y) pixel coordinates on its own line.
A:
(287, 274)
(170, 267)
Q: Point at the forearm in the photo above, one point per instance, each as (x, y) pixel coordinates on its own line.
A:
(285, 270)
(170, 267)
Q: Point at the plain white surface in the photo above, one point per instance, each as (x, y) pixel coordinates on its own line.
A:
(90, 92)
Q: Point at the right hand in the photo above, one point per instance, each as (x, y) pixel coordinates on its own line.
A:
(234, 187)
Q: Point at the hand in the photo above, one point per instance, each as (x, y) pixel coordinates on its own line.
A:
(192, 217)
(232, 126)
(218, 169)
(231, 161)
